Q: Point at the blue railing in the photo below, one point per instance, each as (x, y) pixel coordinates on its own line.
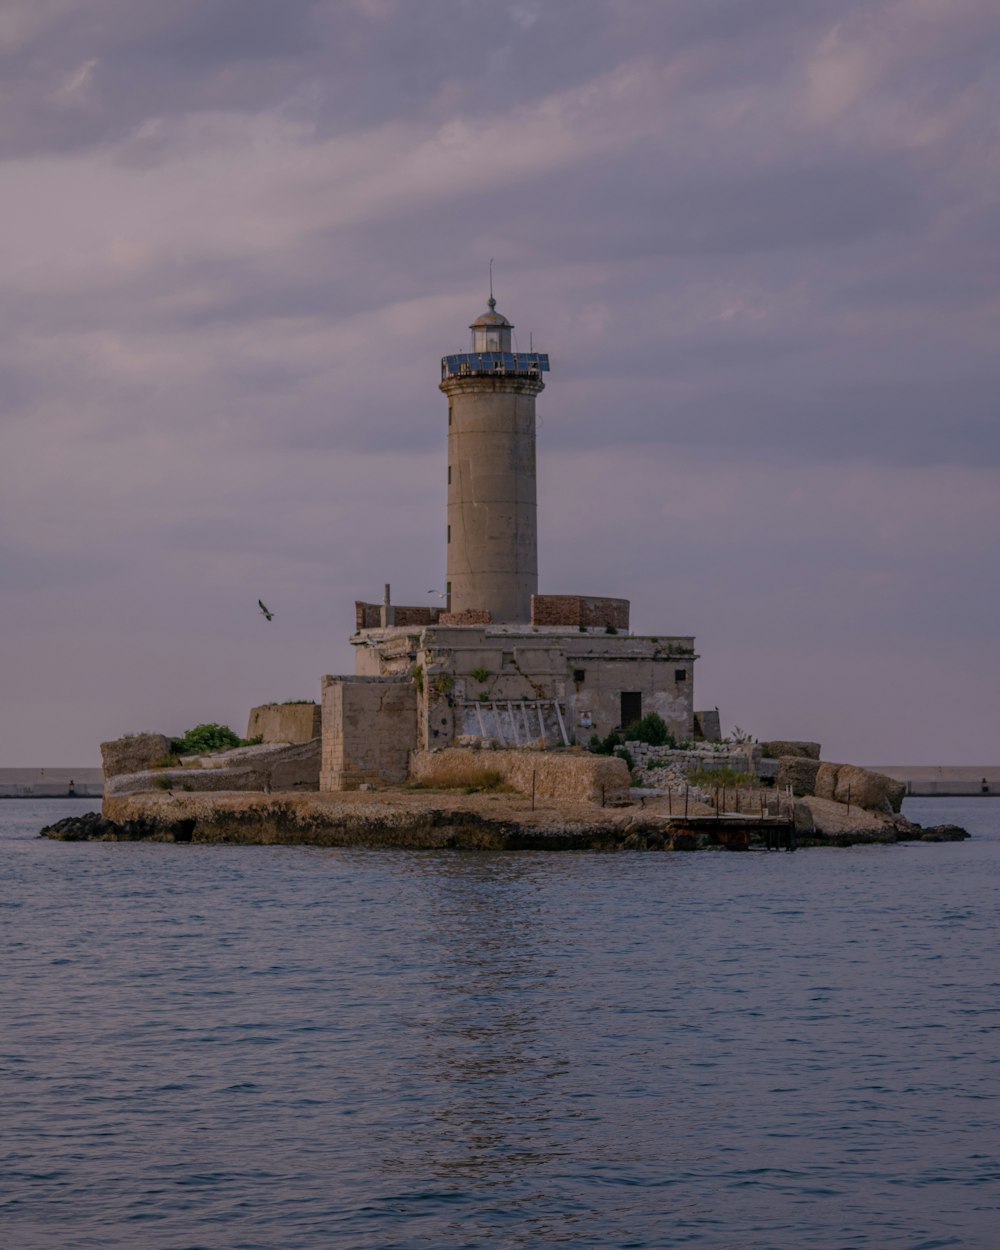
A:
(528, 364)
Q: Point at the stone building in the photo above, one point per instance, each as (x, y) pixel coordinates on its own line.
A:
(499, 663)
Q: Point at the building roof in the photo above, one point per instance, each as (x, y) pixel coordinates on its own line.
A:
(491, 318)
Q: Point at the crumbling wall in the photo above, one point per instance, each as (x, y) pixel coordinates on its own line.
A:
(708, 725)
(369, 615)
(576, 611)
(369, 730)
(562, 777)
(285, 722)
(133, 753)
(263, 768)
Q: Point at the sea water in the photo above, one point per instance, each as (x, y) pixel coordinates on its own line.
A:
(279, 1048)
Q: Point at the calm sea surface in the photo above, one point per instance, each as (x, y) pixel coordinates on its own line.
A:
(255, 1048)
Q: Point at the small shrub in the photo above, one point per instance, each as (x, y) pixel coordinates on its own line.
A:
(443, 682)
(606, 746)
(206, 738)
(162, 783)
(480, 674)
(418, 677)
(170, 760)
(252, 742)
(651, 729)
(625, 755)
(610, 629)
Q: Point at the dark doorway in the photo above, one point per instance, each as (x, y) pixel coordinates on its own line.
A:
(631, 707)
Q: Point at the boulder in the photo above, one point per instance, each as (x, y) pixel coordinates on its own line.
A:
(779, 747)
(799, 772)
(826, 781)
(860, 787)
(803, 818)
(944, 833)
(843, 826)
(133, 753)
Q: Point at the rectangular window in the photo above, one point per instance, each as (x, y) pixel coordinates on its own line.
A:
(449, 414)
(680, 674)
(449, 533)
(579, 675)
(449, 475)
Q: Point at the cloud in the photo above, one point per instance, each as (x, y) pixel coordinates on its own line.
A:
(756, 240)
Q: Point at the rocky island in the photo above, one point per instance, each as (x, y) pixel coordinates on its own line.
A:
(482, 798)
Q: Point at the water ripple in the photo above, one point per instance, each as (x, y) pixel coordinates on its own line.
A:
(286, 1049)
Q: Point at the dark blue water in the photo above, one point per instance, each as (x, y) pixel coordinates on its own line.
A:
(273, 1048)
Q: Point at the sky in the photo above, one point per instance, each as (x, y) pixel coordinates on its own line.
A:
(759, 239)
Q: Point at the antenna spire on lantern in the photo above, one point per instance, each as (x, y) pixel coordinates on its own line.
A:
(492, 302)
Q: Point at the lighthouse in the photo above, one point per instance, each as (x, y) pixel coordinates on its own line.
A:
(492, 521)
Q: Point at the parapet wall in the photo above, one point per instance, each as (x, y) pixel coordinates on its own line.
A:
(579, 611)
(285, 722)
(471, 616)
(566, 778)
(369, 730)
(369, 616)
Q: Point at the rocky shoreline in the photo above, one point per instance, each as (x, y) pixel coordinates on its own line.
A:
(419, 820)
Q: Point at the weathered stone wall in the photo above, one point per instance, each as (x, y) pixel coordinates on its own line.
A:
(369, 730)
(261, 768)
(586, 673)
(557, 776)
(736, 759)
(576, 611)
(133, 753)
(285, 722)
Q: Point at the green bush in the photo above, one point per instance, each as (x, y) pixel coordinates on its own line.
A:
(622, 754)
(652, 729)
(480, 674)
(206, 738)
(606, 746)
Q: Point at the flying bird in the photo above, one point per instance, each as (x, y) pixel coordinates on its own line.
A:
(264, 610)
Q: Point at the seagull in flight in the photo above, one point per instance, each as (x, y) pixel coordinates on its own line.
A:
(265, 610)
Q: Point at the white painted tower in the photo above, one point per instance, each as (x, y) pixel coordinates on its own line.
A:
(492, 534)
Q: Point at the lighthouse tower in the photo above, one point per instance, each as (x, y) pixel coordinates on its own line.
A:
(492, 534)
